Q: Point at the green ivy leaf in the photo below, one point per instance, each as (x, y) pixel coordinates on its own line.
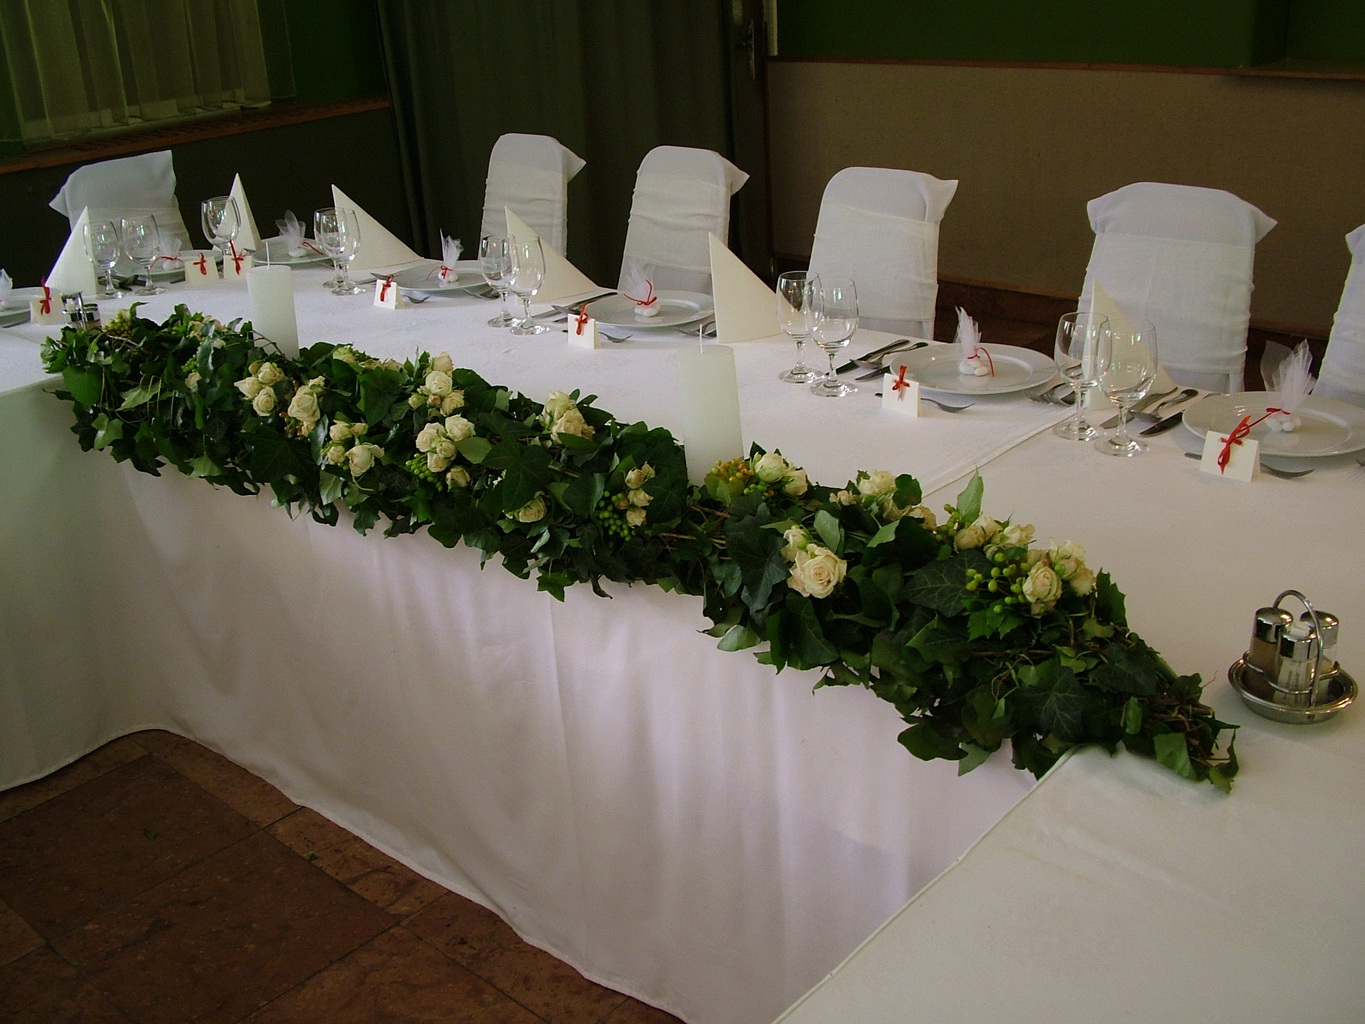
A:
(107, 431)
(1109, 601)
(85, 386)
(942, 586)
(969, 501)
(829, 531)
(272, 457)
(330, 486)
(738, 638)
(140, 394)
(474, 448)
(757, 554)
(1173, 752)
(1128, 670)
(927, 743)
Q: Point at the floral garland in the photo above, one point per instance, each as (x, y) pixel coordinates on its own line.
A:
(974, 636)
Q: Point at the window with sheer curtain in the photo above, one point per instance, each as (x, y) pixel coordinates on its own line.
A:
(77, 66)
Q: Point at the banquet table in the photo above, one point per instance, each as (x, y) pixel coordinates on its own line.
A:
(677, 822)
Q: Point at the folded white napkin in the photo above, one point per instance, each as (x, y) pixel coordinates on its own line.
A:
(1287, 378)
(637, 284)
(380, 249)
(1103, 304)
(6, 285)
(292, 232)
(564, 283)
(248, 237)
(73, 271)
(746, 308)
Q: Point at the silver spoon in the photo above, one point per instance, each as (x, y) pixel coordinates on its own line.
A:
(1287, 474)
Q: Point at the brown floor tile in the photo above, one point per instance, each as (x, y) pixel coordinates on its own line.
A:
(17, 939)
(247, 794)
(223, 937)
(486, 945)
(91, 766)
(632, 1011)
(355, 863)
(394, 979)
(42, 987)
(111, 838)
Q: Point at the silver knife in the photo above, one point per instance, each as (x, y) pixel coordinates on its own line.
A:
(852, 364)
(1161, 426)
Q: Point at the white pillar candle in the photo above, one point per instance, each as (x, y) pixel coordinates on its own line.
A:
(708, 396)
(272, 306)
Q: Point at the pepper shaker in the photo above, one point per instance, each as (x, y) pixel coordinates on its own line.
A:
(1266, 630)
(1298, 667)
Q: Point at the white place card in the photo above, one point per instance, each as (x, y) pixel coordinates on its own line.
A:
(582, 332)
(387, 295)
(54, 315)
(1244, 459)
(236, 262)
(200, 266)
(900, 395)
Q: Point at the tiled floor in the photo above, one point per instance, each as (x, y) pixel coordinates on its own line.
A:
(155, 882)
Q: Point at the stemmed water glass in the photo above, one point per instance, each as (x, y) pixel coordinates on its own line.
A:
(495, 263)
(103, 246)
(338, 233)
(834, 318)
(795, 290)
(528, 274)
(1128, 359)
(221, 220)
(1080, 339)
(142, 244)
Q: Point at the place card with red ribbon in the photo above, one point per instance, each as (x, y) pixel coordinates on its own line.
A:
(582, 329)
(1235, 455)
(201, 266)
(387, 295)
(236, 262)
(47, 309)
(899, 393)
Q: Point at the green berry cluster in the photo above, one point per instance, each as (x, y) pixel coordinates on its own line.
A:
(417, 465)
(1005, 579)
(610, 513)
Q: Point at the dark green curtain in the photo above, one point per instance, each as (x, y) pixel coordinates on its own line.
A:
(610, 79)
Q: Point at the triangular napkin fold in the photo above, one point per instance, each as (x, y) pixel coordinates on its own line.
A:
(248, 237)
(73, 271)
(1103, 304)
(564, 282)
(379, 248)
(746, 308)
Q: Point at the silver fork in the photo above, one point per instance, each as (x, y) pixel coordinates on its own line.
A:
(1047, 397)
(942, 405)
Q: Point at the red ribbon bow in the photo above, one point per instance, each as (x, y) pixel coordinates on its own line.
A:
(45, 303)
(581, 320)
(384, 288)
(237, 258)
(203, 264)
(648, 300)
(168, 259)
(901, 384)
(1239, 434)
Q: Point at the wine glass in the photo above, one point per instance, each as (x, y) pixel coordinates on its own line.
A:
(794, 291)
(221, 220)
(1128, 370)
(1080, 338)
(528, 274)
(834, 318)
(495, 262)
(104, 246)
(142, 245)
(338, 233)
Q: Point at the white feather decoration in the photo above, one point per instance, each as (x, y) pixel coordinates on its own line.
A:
(1292, 383)
(970, 361)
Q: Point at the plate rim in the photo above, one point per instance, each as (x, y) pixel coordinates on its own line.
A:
(29, 292)
(1355, 413)
(667, 293)
(1037, 361)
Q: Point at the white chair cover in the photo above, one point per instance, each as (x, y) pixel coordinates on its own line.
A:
(529, 175)
(682, 197)
(879, 226)
(1343, 367)
(1181, 257)
(112, 189)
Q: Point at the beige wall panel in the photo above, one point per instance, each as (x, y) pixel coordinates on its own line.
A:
(1032, 145)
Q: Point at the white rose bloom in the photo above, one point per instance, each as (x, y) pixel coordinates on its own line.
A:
(304, 407)
(532, 512)
(335, 454)
(572, 422)
(445, 448)
(1082, 581)
(192, 378)
(797, 539)
(264, 402)
(969, 537)
(876, 483)
(360, 429)
(443, 362)
(345, 353)
(269, 373)
(926, 515)
(416, 401)
(639, 477)
(557, 405)
(451, 402)
(640, 498)
(427, 438)
(339, 431)
(1016, 535)
(890, 510)
(635, 517)
(817, 571)
(249, 386)
(1042, 587)
(437, 383)
(845, 498)
(771, 467)
(989, 527)
(437, 463)
(457, 477)
(458, 428)
(1067, 549)
(362, 457)
(796, 483)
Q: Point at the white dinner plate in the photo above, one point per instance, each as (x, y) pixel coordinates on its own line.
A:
(274, 252)
(675, 309)
(1328, 427)
(1016, 369)
(20, 297)
(425, 278)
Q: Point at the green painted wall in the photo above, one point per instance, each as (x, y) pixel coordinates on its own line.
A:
(1327, 30)
(335, 47)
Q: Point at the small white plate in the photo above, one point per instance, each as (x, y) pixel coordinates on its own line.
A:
(675, 309)
(19, 297)
(425, 278)
(274, 252)
(1328, 427)
(1016, 369)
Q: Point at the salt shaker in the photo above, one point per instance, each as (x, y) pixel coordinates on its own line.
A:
(1266, 630)
(1298, 664)
(1328, 627)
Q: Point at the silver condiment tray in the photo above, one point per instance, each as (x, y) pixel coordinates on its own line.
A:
(1256, 693)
